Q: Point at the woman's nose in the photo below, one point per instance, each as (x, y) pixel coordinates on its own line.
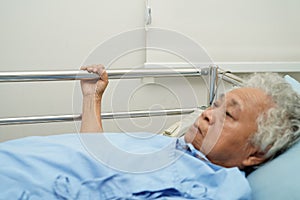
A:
(207, 115)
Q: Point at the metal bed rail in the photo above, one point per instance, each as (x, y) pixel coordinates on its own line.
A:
(83, 75)
(77, 117)
(231, 78)
(212, 72)
(31, 76)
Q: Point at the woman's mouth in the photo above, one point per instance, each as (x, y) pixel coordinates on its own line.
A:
(198, 130)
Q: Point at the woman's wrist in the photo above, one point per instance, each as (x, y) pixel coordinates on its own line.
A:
(94, 97)
(91, 114)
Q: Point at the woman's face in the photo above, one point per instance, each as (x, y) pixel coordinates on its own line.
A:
(222, 132)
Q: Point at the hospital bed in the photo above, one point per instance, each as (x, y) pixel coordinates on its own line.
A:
(277, 179)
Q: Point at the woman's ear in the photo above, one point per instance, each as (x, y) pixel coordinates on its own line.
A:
(253, 159)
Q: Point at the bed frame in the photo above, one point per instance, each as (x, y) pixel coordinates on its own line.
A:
(213, 72)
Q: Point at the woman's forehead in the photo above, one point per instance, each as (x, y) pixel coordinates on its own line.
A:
(248, 97)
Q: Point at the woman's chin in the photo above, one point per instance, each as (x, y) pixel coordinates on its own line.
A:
(191, 134)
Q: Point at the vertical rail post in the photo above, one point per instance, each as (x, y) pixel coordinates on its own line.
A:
(213, 78)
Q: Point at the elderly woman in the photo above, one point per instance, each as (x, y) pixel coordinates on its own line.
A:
(244, 128)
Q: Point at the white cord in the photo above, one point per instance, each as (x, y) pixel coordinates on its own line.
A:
(148, 17)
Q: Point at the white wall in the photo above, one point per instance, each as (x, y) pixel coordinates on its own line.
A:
(233, 30)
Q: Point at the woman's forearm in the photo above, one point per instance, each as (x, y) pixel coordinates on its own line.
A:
(91, 115)
(92, 91)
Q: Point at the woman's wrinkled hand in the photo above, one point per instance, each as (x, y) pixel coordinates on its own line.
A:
(94, 87)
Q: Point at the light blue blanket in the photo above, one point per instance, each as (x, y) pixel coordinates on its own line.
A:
(113, 166)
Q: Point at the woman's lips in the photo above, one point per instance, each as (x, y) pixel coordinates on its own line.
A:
(198, 129)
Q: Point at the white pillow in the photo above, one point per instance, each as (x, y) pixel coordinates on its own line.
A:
(279, 178)
(294, 83)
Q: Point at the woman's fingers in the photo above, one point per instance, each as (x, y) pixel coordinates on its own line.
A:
(104, 75)
(97, 69)
(83, 67)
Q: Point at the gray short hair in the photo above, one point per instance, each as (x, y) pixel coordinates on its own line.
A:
(279, 128)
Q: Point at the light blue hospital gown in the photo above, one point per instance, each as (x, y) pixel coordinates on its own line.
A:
(113, 166)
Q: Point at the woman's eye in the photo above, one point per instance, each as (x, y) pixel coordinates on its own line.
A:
(228, 114)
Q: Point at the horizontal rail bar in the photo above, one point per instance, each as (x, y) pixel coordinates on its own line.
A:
(225, 75)
(77, 117)
(231, 78)
(27, 76)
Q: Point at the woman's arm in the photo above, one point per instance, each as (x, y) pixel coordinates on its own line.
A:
(92, 91)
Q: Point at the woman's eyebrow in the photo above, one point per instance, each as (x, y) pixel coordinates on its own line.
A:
(232, 102)
(235, 103)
